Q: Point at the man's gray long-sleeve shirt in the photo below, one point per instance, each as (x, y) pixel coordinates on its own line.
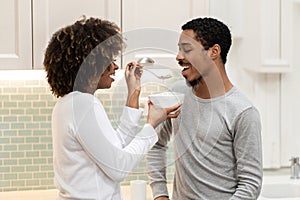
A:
(217, 150)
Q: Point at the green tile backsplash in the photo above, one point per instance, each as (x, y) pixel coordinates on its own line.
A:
(25, 135)
(25, 132)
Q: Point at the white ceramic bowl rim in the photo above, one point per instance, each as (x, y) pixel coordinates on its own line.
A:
(166, 99)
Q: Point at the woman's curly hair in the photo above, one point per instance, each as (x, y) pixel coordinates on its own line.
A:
(78, 54)
(210, 31)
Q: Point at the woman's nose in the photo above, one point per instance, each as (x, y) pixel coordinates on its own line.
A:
(115, 66)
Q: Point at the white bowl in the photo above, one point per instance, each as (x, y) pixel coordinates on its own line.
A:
(166, 99)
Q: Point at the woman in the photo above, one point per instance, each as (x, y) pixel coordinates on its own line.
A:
(90, 157)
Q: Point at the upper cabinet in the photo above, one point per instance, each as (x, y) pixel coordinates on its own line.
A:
(260, 30)
(170, 15)
(15, 34)
(50, 15)
(27, 26)
(152, 28)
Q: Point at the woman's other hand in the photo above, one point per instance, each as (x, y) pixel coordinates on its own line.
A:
(158, 115)
(133, 73)
(162, 198)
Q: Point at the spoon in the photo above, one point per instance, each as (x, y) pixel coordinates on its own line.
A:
(146, 61)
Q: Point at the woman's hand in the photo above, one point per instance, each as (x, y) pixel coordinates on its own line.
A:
(158, 115)
(162, 198)
(133, 73)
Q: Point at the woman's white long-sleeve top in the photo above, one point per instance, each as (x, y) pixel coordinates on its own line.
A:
(90, 157)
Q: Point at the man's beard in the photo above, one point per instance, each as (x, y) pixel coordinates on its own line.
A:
(193, 82)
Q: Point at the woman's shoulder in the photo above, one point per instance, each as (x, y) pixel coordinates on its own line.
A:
(77, 99)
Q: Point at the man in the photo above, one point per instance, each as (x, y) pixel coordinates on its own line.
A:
(217, 141)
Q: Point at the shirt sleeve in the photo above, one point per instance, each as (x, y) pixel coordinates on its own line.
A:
(98, 138)
(129, 122)
(248, 153)
(157, 161)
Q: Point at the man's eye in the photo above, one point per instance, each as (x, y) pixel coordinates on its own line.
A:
(187, 50)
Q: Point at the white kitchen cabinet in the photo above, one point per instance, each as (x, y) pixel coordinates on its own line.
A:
(152, 27)
(263, 62)
(160, 14)
(15, 34)
(256, 62)
(290, 93)
(27, 26)
(50, 15)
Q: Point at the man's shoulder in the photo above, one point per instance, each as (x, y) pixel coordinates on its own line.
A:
(238, 100)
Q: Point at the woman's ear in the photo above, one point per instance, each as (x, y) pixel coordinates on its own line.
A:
(215, 52)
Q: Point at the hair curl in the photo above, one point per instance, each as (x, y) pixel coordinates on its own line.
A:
(209, 32)
(78, 54)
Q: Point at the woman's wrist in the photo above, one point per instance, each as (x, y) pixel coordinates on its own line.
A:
(133, 99)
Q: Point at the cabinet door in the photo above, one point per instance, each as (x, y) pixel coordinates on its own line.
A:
(15, 34)
(152, 27)
(50, 15)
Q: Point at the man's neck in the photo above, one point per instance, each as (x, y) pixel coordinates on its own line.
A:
(213, 86)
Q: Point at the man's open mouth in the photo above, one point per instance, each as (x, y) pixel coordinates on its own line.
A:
(185, 66)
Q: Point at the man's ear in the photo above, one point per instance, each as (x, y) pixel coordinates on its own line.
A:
(215, 52)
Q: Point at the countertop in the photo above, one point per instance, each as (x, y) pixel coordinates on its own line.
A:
(52, 194)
